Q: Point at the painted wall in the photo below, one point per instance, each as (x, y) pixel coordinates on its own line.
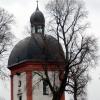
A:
(16, 88)
(37, 84)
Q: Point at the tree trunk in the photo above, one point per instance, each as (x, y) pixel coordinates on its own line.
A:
(56, 97)
(75, 90)
(75, 96)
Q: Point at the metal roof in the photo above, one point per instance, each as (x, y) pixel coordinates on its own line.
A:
(36, 48)
(37, 18)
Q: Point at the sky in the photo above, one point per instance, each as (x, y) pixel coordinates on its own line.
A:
(22, 10)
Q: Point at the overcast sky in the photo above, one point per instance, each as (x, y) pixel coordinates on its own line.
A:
(22, 10)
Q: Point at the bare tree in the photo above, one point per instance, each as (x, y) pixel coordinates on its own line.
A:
(6, 36)
(67, 23)
(77, 82)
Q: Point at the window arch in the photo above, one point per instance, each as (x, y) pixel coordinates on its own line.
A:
(45, 88)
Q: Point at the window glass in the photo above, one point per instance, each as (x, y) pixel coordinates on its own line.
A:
(20, 97)
(33, 29)
(45, 88)
(39, 29)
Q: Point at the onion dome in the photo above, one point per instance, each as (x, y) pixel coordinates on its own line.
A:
(37, 22)
(37, 18)
(33, 49)
(37, 47)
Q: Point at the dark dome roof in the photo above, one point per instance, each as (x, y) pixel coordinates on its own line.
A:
(37, 18)
(32, 49)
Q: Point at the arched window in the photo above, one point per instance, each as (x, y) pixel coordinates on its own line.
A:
(33, 29)
(39, 29)
(45, 88)
(19, 89)
(19, 94)
(20, 97)
(19, 83)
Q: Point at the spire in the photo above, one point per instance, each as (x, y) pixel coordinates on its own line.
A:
(37, 5)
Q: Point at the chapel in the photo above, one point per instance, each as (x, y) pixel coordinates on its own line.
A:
(29, 58)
